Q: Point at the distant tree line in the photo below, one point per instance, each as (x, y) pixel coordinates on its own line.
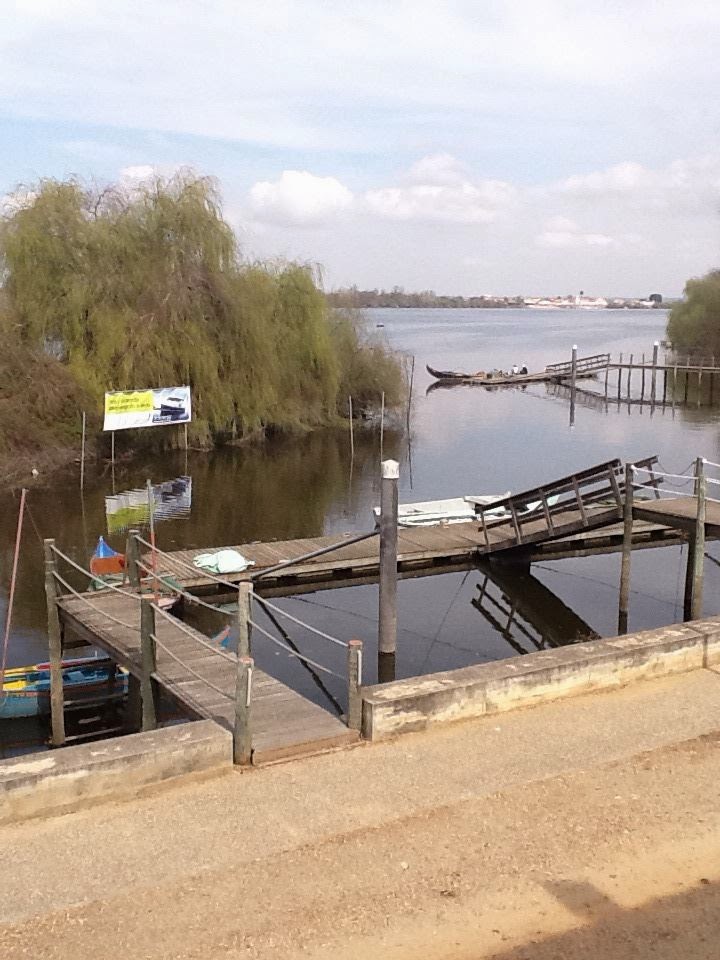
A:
(398, 297)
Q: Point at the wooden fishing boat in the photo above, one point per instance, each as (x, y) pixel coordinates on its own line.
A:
(431, 513)
(26, 690)
(487, 380)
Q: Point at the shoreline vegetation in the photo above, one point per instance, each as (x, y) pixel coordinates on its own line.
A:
(143, 285)
(694, 322)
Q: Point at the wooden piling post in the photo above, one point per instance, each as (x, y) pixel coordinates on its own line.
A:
(57, 694)
(687, 378)
(665, 379)
(354, 672)
(573, 383)
(624, 603)
(242, 731)
(387, 615)
(131, 558)
(629, 375)
(148, 653)
(697, 545)
(653, 381)
(382, 424)
(642, 380)
(607, 374)
(244, 616)
(619, 377)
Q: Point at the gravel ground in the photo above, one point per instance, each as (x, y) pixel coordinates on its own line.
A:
(583, 828)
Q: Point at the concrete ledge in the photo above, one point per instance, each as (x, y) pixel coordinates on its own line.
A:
(419, 702)
(57, 781)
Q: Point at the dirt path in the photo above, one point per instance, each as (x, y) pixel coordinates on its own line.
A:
(607, 859)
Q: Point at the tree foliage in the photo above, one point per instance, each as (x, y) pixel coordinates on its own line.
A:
(143, 286)
(694, 322)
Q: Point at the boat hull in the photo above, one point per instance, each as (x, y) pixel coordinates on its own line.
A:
(26, 690)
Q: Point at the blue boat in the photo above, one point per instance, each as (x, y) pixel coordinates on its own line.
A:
(26, 690)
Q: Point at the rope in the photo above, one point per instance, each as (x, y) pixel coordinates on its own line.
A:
(184, 593)
(292, 653)
(300, 623)
(190, 670)
(13, 578)
(91, 576)
(193, 635)
(93, 606)
(665, 476)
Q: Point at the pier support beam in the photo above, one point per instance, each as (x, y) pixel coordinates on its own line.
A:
(242, 732)
(148, 684)
(387, 614)
(653, 381)
(573, 383)
(624, 603)
(57, 694)
(244, 616)
(694, 572)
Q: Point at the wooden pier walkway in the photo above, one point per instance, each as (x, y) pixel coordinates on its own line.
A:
(284, 722)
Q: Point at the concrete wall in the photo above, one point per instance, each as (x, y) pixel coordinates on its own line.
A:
(54, 782)
(419, 702)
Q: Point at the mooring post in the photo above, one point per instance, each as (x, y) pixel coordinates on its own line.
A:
(624, 604)
(698, 544)
(653, 381)
(642, 380)
(132, 557)
(244, 616)
(387, 619)
(57, 694)
(573, 380)
(629, 375)
(410, 392)
(619, 378)
(242, 731)
(354, 672)
(148, 653)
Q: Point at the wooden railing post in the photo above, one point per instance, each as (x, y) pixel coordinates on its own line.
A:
(387, 619)
(697, 543)
(626, 551)
(242, 732)
(354, 672)
(132, 555)
(244, 616)
(148, 685)
(57, 695)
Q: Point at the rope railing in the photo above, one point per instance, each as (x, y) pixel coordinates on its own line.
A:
(293, 653)
(185, 594)
(194, 635)
(300, 623)
(92, 576)
(189, 669)
(94, 606)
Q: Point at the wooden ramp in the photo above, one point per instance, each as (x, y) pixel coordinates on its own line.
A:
(284, 723)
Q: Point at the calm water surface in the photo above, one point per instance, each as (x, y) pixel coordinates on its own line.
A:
(462, 441)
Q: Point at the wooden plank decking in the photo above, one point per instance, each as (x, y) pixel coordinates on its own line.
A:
(284, 723)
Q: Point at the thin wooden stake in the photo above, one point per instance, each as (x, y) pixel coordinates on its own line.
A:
(352, 439)
(82, 454)
(653, 381)
(573, 379)
(410, 391)
(382, 424)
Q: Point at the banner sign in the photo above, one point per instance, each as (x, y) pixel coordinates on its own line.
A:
(171, 500)
(147, 408)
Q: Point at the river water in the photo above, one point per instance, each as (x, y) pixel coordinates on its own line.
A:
(462, 441)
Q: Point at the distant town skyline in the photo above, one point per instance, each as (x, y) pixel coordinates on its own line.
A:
(517, 146)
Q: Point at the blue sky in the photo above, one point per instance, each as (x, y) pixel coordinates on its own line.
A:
(466, 147)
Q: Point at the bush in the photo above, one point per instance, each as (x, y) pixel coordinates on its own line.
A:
(694, 323)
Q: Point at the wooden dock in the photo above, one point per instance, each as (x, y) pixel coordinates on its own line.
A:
(284, 722)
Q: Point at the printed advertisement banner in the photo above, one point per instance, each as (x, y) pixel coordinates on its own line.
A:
(125, 409)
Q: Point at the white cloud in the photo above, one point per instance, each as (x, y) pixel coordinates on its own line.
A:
(299, 198)
(439, 169)
(139, 172)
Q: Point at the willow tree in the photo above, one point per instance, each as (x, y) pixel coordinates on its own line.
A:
(142, 286)
(694, 323)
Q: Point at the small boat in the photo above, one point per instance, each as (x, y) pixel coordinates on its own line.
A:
(26, 690)
(107, 564)
(431, 513)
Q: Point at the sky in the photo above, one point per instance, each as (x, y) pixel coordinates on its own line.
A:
(489, 147)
